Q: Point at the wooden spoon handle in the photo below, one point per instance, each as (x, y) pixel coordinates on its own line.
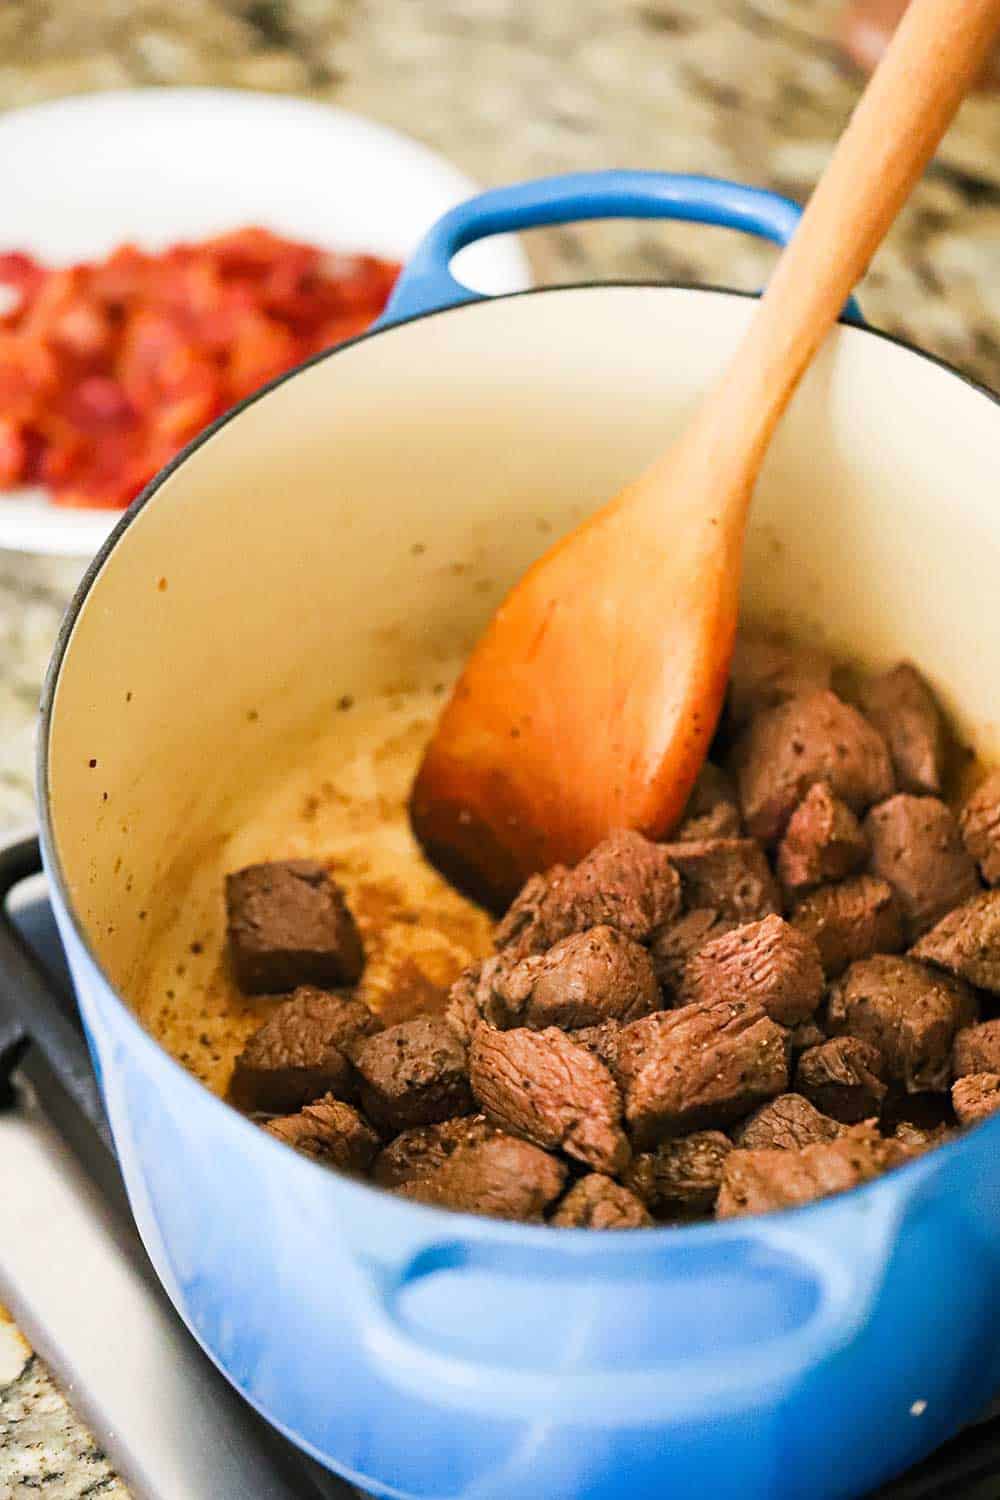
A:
(935, 55)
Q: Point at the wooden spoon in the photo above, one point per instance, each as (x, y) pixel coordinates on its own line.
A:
(590, 702)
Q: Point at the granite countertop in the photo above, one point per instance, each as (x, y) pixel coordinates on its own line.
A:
(749, 89)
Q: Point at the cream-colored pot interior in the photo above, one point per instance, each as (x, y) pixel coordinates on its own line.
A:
(347, 535)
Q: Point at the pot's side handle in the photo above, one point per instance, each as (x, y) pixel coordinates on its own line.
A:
(427, 285)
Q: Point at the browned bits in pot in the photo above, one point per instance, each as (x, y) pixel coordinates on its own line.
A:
(598, 1202)
(823, 841)
(917, 848)
(849, 921)
(979, 821)
(768, 963)
(757, 1182)
(786, 1124)
(729, 876)
(842, 1078)
(289, 925)
(331, 1132)
(303, 1051)
(413, 1074)
(905, 712)
(967, 942)
(501, 1177)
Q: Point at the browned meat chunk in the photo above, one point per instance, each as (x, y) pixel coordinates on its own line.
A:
(680, 1179)
(908, 1011)
(289, 925)
(975, 1097)
(598, 1202)
(967, 942)
(823, 841)
(730, 876)
(303, 1051)
(980, 824)
(329, 1131)
(413, 1074)
(852, 920)
(702, 1065)
(673, 946)
(541, 1085)
(626, 882)
(768, 963)
(462, 1011)
(807, 1034)
(842, 1078)
(584, 979)
(501, 1177)
(917, 848)
(786, 1124)
(977, 1049)
(602, 1041)
(918, 1138)
(423, 1149)
(712, 811)
(767, 671)
(790, 748)
(756, 1182)
(904, 711)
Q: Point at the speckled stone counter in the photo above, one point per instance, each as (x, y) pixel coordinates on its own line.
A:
(749, 89)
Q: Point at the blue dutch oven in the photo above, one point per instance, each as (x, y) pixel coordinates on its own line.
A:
(344, 533)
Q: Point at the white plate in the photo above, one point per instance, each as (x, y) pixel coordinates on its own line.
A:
(81, 175)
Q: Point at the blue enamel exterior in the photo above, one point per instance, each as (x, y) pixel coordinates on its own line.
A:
(804, 1356)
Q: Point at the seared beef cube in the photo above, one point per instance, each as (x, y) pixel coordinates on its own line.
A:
(904, 711)
(975, 1097)
(626, 882)
(702, 1065)
(786, 1124)
(977, 1049)
(712, 811)
(673, 946)
(823, 841)
(768, 963)
(541, 1085)
(807, 1034)
(602, 1041)
(917, 848)
(843, 1079)
(289, 925)
(303, 1051)
(501, 1177)
(423, 1149)
(413, 1074)
(680, 1179)
(589, 977)
(979, 821)
(908, 1011)
(462, 1010)
(852, 920)
(967, 942)
(329, 1131)
(766, 672)
(729, 876)
(791, 748)
(757, 1182)
(598, 1202)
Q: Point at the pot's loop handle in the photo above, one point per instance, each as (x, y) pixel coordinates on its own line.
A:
(427, 285)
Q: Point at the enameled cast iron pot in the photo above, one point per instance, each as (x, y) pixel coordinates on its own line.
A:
(812, 1353)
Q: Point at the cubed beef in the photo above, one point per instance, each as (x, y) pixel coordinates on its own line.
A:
(967, 942)
(673, 946)
(301, 1052)
(855, 919)
(598, 1202)
(757, 1182)
(807, 1034)
(589, 977)
(329, 1131)
(904, 711)
(823, 841)
(917, 848)
(977, 1049)
(729, 876)
(541, 1085)
(626, 882)
(907, 1010)
(702, 1065)
(918, 1138)
(979, 821)
(413, 1074)
(289, 925)
(712, 811)
(423, 1149)
(975, 1097)
(786, 1124)
(769, 963)
(501, 1177)
(808, 740)
(766, 671)
(842, 1078)
(680, 1179)
(462, 1011)
(603, 1041)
